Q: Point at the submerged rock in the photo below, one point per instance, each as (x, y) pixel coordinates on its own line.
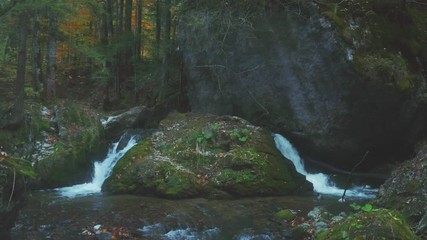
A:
(196, 155)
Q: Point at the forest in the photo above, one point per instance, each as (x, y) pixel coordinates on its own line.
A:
(123, 50)
(202, 119)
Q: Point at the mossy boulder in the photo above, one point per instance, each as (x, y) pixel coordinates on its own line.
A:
(406, 189)
(376, 224)
(194, 155)
(65, 156)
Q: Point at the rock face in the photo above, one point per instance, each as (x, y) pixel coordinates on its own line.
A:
(406, 190)
(287, 69)
(194, 155)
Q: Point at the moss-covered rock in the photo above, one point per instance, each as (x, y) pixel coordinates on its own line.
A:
(385, 36)
(285, 214)
(378, 224)
(13, 174)
(65, 157)
(205, 155)
(406, 189)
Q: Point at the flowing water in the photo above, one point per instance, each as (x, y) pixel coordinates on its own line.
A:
(102, 171)
(79, 211)
(322, 183)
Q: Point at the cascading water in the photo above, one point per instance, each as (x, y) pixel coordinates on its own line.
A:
(321, 182)
(102, 171)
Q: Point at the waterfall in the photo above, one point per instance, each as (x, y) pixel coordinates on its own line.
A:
(321, 182)
(102, 171)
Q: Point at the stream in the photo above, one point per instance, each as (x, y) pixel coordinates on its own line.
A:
(81, 211)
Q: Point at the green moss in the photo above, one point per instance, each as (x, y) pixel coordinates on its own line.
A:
(249, 154)
(387, 37)
(285, 214)
(413, 186)
(378, 224)
(79, 141)
(124, 176)
(178, 165)
(176, 183)
(386, 69)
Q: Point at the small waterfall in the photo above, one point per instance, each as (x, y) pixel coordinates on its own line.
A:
(321, 182)
(102, 171)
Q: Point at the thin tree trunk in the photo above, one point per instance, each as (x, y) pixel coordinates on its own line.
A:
(126, 63)
(166, 42)
(109, 39)
(117, 79)
(36, 68)
(165, 56)
(51, 76)
(158, 29)
(128, 16)
(120, 4)
(138, 30)
(18, 110)
(110, 30)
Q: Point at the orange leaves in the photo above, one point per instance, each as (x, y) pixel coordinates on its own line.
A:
(203, 179)
(3, 156)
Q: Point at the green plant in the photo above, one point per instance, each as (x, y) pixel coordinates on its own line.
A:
(243, 134)
(366, 208)
(29, 92)
(208, 134)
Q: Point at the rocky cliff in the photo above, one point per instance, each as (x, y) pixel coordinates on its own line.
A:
(284, 66)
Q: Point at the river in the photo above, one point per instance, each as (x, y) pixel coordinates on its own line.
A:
(81, 211)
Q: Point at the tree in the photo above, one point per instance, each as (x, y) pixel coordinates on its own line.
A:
(51, 46)
(36, 52)
(18, 108)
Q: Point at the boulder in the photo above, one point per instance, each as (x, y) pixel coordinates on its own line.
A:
(378, 224)
(123, 120)
(285, 67)
(197, 155)
(406, 189)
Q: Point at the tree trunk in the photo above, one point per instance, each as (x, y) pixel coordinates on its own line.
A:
(109, 19)
(158, 29)
(36, 53)
(138, 30)
(18, 109)
(118, 64)
(128, 16)
(166, 44)
(51, 76)
(120, 4)
(126, 67)
(109, 31)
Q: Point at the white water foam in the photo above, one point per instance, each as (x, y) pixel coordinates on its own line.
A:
(102, 171)
(321, 182)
